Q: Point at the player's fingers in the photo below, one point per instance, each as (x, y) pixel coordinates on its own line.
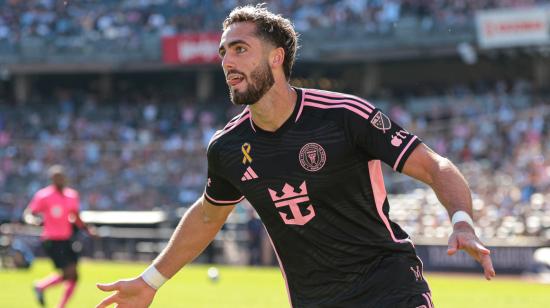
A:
(475, 249)
(453, 245)
(108, 301)
(482, 249)
(482, 255)
(488, 268)
(108, 286)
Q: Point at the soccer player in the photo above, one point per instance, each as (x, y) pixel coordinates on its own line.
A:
(309, 162)
(58, 206)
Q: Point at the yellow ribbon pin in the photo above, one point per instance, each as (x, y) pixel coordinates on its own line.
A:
(246, 150)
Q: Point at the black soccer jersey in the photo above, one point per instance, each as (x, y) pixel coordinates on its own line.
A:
(317, 185)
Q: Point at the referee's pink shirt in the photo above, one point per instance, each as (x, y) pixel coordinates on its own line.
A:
(56, 209)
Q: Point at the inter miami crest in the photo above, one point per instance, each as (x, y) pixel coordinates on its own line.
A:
(312, 157)
(381, 121)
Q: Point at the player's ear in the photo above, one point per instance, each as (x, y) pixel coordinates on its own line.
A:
(277, 56)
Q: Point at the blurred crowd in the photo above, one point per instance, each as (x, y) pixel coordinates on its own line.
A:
(128, 19)
(501, 141)
(134, 154)
(140, 153)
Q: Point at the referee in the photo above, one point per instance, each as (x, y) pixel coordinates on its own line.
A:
(58, 207)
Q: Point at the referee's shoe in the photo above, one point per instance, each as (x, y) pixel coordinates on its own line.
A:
(39, 294)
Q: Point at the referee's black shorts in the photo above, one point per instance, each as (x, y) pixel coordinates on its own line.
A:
(61, 252)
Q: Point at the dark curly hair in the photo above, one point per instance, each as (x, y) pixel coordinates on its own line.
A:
(270, 27)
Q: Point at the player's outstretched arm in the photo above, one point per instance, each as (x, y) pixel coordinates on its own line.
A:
(453, 192)
(195, 231)
(90, 230)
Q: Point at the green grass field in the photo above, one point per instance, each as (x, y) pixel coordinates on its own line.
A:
(254, 287)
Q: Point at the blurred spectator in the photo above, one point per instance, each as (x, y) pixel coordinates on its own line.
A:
(151, 154)
(124, 21)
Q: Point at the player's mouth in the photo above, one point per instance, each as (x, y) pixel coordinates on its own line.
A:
(234, 79)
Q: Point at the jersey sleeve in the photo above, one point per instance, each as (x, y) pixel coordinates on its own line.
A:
(37, 204)
(218, 190)
(382, 139)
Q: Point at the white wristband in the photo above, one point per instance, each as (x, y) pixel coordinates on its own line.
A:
(462, 216)
(153, 277)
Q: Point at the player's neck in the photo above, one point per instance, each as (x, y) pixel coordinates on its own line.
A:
(275, 107)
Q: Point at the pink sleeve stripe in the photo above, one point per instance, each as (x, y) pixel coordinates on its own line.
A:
(350, 108)
(301, 105)
(280, 267)
(324, 101)
(229, 128)
(402, 153)
(238, 116)
(223, 201)
(428, 301)
(340, 95)
(236, 119)
(430, 297)
(343, 100)
(380, 195)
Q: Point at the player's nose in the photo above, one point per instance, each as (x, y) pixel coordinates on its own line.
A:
(228, 62)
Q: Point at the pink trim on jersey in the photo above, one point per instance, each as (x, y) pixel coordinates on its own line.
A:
(232, 124)
(352, 109)
(430, 296)
(422, 267)
(229, 127)
(340, 95)
(233, 120)
(221, 201)
(56, 210)
(301, 105)
(349, 101)
(252, 124)
(403, 152)
(280, 267)
(428, 300)
(380, 195)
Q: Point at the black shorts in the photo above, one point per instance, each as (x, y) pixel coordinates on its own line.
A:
(394, 282)
(404, 282)
(423, 300)
(61, 252)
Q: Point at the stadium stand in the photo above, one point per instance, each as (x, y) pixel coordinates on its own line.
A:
(125, 19)
(144, 149)
(136, 156)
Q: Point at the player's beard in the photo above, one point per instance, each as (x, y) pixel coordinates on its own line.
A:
(260, 81)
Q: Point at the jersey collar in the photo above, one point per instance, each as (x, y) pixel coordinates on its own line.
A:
(289, 122)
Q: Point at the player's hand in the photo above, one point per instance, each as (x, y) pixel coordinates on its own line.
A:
(464, 238)
(134, 293)
(92, 232)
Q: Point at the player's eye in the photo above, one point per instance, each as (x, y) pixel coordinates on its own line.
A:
(221, 53)
(240, 49)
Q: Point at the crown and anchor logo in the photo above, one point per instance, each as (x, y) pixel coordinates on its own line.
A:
(293, 200)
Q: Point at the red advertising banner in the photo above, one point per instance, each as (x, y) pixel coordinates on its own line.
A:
(513, 27)
(196, 48)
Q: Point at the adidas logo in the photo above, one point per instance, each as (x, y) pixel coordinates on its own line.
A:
(249, 174)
